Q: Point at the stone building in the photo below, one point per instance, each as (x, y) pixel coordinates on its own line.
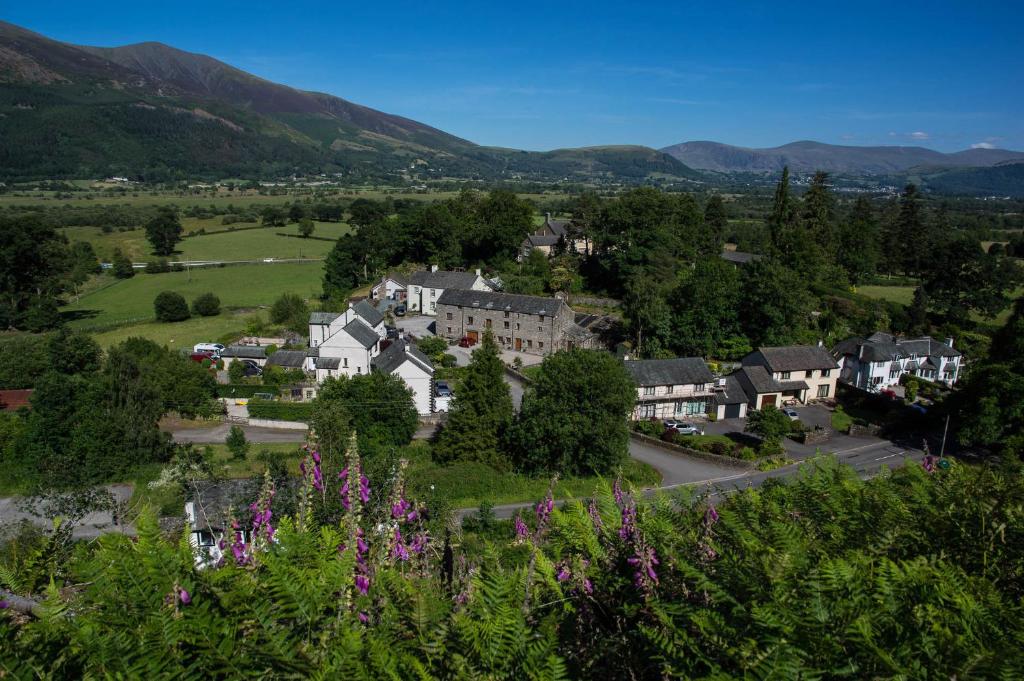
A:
(525, 323)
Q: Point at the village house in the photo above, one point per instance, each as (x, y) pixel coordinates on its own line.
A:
(13, 400)
(773, 376)
(880, 360)
(238, 353)
(407, 362)
(546, 237)
(426, 287)
(739, 258)
(392, 286)
(344, 342)
(672, 388)
(525, 323)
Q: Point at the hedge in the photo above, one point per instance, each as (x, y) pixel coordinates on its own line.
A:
(280, 411)
(242, 390)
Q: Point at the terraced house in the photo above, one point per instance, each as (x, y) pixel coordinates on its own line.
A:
(672, 388)
(530, 324)
(881, 359)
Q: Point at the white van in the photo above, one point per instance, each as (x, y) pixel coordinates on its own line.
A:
(215, 348)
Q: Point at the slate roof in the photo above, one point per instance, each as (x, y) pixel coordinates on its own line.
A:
(323, 317)
(794, 385)
(678, 371)
(509, 302)
(739, 257)
(327, 362)
(398, 278)
(536, 240)
(368, 312)
(397, 354)
(557, 227)
(797, 358)
(312, 352)
(884, 347)
(289, 359)
(244, 352)
(758, 378)
(362, 333)
(443, 279)
(733, 393)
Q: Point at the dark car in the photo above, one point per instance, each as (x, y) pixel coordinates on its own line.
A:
(400, 310)
(443, 389)
(200, 356)
(467, 342)
(392, 332)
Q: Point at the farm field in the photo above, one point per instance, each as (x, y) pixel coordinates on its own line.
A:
(904, 295)
(130, 301)
(241, 244)
(227, 325)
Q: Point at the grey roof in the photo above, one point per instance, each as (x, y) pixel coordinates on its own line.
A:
(368, 312)
(793, 385)
(244, 352)
(312, 352)
(733, 393)
(443, 279)
(322, 317)
(557, 227)
(912, 365)
(509, 302)
(290, 359)
(396, 354)
(884, 347)
(739, 257)
(578, 332)
(757, 378)
(362, 333)
(678, 371)
(328, 362)
(398, 278)
(535, 240)
(796, 358)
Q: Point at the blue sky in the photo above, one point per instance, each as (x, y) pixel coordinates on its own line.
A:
(946, 75)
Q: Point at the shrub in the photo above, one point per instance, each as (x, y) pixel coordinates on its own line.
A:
(747, 454)
(236, 371)
(157, 266)
(432, 346)
(206, 305)
(280, 411)
(448, 361)
(651, 427)
(170, 307)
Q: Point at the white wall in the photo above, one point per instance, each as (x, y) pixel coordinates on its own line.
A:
(419, 381)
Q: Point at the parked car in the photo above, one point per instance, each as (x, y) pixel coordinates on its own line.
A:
(791, 413)
(201, 356)
(215, 348)
(392, 332)
(252, 368)
(443, 389)
(890, 393)
(467, 342)
(400, 310)
(684, 428)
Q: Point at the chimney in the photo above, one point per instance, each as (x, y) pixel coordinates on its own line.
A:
(547, 217)
(949, 342)
(478, 271)
(433, 268)
(860, 351)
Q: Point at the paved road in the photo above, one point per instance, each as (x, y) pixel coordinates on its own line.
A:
(255, 434)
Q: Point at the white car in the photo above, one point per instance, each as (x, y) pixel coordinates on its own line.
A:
(682, 427)
(215, 348)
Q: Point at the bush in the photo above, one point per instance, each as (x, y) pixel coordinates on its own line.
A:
(236, 371)
(206, 305)
(170, 307)
(432, 346)
(649, 427)
(448, 361)
(157, 266)
(747, 454)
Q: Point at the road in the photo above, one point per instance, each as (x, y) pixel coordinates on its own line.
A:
(89, 527)
(219, 433)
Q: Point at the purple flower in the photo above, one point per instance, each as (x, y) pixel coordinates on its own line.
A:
(628, 528)
(4, 605)
(361, 546)
(710, 515)
(595, 515)
(928, 463)
(588, 586)
(184, 597)
(364, 618)
(543, 511)
(364, 488)
(399, 552)
(363, 584)
(412, 516)
(617, 491)
(419, 542)
(644, 561)
(521, 529)
(316, 456)
(563, 574)
(399, 508)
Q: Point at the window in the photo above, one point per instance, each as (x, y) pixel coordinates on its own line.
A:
(699, 388)
(825, 373)
(506, 315)
(648, 390)
(669, 389)
(876, 380)
(506, 325)
(785, 376)
(469, 320)
(529, 343)
(432, 293)
(448, 316)
(359, 370)
(647, 411)
(680, 408)
(540, 344)
(309, 394)
(449, 329)
(810, 373)
(345, 362)
(823, 390)
(517, 326)
(205, 538)
(540, 329)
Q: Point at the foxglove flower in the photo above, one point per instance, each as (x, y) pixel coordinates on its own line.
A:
(4, 605)
(929, 463)
(363, 617)
(628, 528)
(521, 529)
(184, 596)
(419, 543)
(595, 515)
(644, 576)
(363, 584)
(563, 574)
(617, 491)
(710, 515)
(399, 552)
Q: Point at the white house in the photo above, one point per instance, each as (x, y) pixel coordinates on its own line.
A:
(425, 287)
(392, 286)
(788, 373)
(672, 388)
(412, 366)
(880, 360)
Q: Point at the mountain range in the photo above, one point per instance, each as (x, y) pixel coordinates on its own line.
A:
(807, 157)
(155, 111)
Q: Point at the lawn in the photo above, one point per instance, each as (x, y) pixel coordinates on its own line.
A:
(241, 244)
(225, 327)
(904, 295)
(130, 301)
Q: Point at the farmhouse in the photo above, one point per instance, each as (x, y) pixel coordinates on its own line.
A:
(525, 323)
(426, 287)
(880, 360)
(547, 236)
(392, 286)
(412, 366)
(770, 376)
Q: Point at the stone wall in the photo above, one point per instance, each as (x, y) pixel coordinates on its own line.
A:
(695, 453)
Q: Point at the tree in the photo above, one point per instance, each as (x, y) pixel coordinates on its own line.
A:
(961, 278)
(331, 424)
(432, 346)
(181, 384)
(783, 213)
(236, 371)
(273, 216)
(206, 305)
(164, 231)
(716, 220)
(481, 411)
(121, 266)
(504, 220)
(818, 217)
(859, 250)
(72, 352)
(1008, 341)
(236, 443)
(34, 268)
(306, 227)
(170, 307)
(770, 424)
(647, 314)
(708, 310)
(574, 417)
(291, 311)
(380, 406)
(774, 306)
(296, 213)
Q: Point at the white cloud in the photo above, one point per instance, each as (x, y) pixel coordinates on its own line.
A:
(983, 145)
(919, 135)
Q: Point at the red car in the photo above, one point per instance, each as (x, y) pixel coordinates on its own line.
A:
(467, 342)
(200, 356)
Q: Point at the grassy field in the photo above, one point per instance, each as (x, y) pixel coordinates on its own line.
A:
(244, 244)
(225, 327)
(130, 301)
(904, 295)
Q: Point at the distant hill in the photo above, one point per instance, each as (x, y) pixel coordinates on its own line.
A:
(1003, 179)
(807, 157)
(155, 111)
